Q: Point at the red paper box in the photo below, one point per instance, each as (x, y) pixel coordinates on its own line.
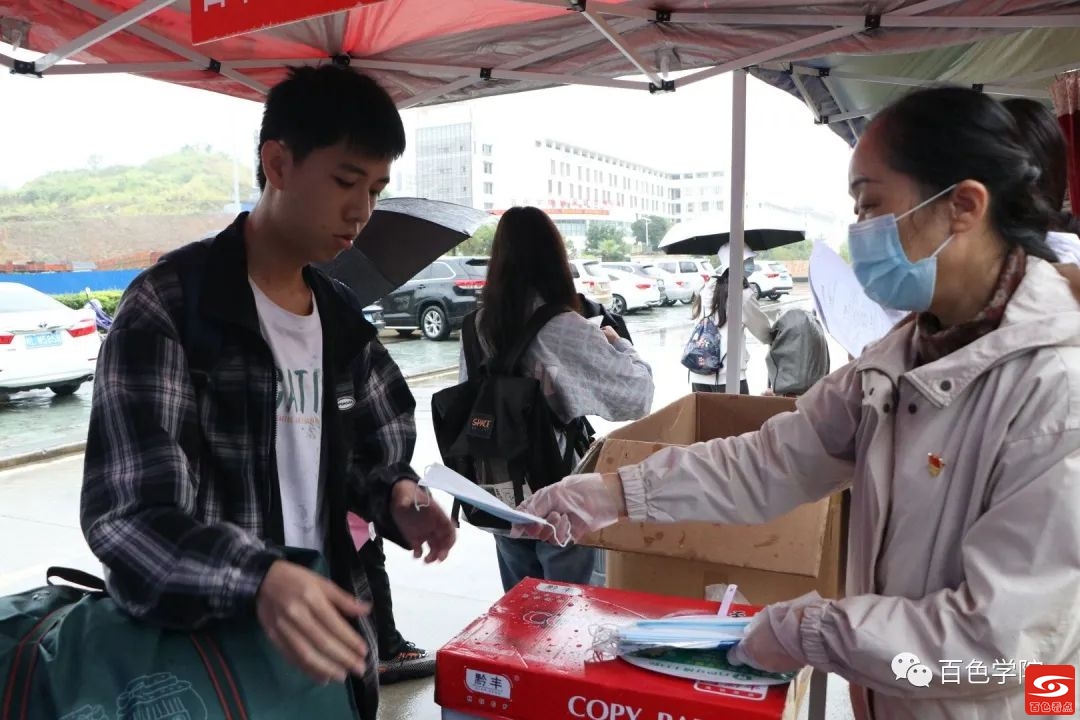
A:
(530, 658)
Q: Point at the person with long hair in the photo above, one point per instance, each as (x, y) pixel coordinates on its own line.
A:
(711, 303)
(958, 434)
(1038, 130)
(585, 370)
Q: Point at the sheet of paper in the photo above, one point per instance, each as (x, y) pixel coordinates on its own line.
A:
(852, 318)
(440, 477)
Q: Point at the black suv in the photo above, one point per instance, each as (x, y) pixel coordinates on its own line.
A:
(437, 299)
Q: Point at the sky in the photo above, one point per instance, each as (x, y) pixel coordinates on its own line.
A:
(60, 122)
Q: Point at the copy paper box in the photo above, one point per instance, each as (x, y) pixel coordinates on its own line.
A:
(802, 551)
(530, 657)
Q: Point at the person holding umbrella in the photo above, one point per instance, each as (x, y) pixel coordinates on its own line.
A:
(710, 306)
(958, 434)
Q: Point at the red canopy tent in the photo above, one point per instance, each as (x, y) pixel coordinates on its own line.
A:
(845, 58)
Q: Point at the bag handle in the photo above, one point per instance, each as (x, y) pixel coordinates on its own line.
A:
(75, 577)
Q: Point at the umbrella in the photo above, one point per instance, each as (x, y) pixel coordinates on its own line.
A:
(706, 235)
(403, 236)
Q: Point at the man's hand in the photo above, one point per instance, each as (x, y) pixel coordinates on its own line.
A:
(421, 521)
(304, 614)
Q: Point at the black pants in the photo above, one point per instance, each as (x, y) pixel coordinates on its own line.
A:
(744, 388)
(374, 561)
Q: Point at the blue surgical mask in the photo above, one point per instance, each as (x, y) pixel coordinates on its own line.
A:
(883, 268)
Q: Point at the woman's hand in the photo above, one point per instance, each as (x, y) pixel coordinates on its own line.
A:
(576, 507)
(773, 641)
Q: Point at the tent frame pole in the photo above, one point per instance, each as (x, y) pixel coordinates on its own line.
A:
(176, 48)
(110, 27)
(735, 336)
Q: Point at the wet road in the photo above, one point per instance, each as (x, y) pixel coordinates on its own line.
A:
(34, 421)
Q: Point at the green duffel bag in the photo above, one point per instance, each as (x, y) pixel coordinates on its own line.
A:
(72, 654)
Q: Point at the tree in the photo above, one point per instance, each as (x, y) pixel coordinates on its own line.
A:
(480, 243)
(797, 251)
(657, 227)
(605, 241)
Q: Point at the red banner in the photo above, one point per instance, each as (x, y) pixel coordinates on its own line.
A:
(218, 19)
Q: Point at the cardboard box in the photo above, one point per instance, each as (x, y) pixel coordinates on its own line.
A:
(802, 551)
(530, 658)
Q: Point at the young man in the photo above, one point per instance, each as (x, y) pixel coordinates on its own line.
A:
(242, 404)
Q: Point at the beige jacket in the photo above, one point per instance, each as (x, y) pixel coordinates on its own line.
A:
(978, 562)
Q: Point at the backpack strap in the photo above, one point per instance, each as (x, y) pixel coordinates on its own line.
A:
(470, 344)
(539, 319)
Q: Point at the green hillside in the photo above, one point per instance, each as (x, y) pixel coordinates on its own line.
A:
(194, 180)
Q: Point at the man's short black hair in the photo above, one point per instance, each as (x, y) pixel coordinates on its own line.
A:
(318, 107)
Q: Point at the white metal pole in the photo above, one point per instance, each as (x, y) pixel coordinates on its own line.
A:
(738, 218)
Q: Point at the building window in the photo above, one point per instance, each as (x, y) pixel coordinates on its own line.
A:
(579, 172)
(560, 188)
(487, 168)
(705, 206)
(552, 167)
(551, 186)
(690, 207)
(486, 149)
(489, 206)
(489, 188)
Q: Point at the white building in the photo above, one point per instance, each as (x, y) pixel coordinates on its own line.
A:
(456, 155)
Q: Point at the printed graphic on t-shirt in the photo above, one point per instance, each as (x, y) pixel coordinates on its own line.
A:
(299, 398)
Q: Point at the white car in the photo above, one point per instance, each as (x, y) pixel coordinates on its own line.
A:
(769, 279)
(631, 291)
(44, 343)
(591, 280)
(694, 273)
(675, 288)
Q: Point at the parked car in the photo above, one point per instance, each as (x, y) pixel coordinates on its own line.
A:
(695, 273)
(676, 289)
(374, 315)
(437, 299)
(43, 343)
(632, 288)
(591, 280)
(769, 279)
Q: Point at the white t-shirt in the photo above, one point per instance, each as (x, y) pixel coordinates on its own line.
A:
(296, 341)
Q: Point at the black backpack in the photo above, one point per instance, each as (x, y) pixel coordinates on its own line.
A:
(497, 429)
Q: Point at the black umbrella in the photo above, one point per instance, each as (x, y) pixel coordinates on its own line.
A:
(403, 236)
(703, 236)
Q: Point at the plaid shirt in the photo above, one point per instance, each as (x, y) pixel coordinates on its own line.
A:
(180, 497)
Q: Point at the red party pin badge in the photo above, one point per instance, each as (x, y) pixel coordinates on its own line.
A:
(935, 464)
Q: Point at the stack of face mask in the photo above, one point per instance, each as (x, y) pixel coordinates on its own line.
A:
(692, 647)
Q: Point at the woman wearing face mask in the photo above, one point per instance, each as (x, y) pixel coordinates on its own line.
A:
(958, 433)
(1041, 135)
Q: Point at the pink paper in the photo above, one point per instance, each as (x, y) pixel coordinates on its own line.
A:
(359, 529)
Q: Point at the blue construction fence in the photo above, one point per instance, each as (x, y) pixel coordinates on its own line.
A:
(62, 283)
